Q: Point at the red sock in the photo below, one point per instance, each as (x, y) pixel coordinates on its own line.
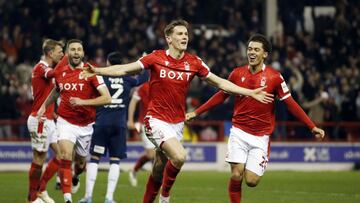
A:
(234, 190)
(170, 174)
(51, 169)
(140, 162)
(152, 189)
(65, 175)
(34, 180)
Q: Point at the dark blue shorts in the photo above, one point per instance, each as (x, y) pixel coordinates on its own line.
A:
(109, 138)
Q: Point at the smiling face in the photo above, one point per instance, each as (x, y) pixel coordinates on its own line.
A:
(179, 38)
(256, 54)
(76, 53)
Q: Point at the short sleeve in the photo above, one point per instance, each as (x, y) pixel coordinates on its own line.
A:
(147, 61)
(281, 88)
(97, 81)
(203, 69)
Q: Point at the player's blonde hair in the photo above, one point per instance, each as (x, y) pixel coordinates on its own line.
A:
(50, 44)
(170, 27)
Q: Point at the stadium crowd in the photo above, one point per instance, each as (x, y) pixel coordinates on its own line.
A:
(321, 67)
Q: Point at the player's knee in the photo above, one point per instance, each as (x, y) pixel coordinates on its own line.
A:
(237, 175)
(179, 159)
(252, 181)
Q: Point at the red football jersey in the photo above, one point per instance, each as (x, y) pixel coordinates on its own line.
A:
(142, 94)
(250, 115)
(41, 87)
(169, 83)
(71, 84)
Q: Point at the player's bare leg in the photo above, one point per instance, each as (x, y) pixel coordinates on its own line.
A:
(66, 150)
(79, 168)
(251, 178)
(155, 179)
(50, 171)
(35, 174)
(177, 157)
(234, 188)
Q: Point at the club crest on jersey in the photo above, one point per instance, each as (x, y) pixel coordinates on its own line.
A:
(263, 82)
(187, 65)
(166, 63)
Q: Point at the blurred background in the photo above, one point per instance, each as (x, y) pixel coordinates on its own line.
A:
(315, 47)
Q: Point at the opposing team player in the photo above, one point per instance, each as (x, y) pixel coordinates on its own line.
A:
(253, 121)
(110, 130)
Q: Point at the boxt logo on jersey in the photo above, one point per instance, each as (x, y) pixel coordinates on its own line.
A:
(175, 75)
(71, 86)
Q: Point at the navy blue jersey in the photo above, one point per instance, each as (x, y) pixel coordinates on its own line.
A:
(115, 114)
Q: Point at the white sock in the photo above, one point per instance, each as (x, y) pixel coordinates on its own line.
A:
(91, 173)
(113, 177)
(67, 197)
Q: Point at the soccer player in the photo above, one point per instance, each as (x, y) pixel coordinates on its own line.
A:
(171, 73)
(141, 96)
(43, 133)
(76, 111)
(110, 130)
(253, 121)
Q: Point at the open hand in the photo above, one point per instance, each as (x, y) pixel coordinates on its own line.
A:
(88, 71)
(262, 96)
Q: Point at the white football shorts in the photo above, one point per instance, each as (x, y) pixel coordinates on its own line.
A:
(42, 134)
(79, 135)
(158, 131)
(248, 149)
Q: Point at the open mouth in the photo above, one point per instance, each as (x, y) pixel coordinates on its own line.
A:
(252, 58)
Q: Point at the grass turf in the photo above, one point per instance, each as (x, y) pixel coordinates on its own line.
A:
(211, 187)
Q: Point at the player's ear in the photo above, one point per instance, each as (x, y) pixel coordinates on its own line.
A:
(266, 54)
(168, 39)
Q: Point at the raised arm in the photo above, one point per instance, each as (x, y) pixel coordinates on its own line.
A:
(54, 94)
(115, 70)
(230, 87)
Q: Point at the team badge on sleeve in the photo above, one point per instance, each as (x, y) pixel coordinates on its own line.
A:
(284, 87)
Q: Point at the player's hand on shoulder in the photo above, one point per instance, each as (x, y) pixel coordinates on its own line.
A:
(260, 95)
(75, 101)
(318, 133)
(189, 116)
(88, 71)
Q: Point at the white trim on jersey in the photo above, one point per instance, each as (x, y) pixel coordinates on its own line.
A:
(100, 79)
(141, 64)
(46, 72)
(285, 97)
(208, 75)
(44, 62)
(100, 86)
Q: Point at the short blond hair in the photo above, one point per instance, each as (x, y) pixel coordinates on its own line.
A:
(170, 27)
(50, 44)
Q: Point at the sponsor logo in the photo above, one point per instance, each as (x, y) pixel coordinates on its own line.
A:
(71, 86)
(174, 75)
(312, 154)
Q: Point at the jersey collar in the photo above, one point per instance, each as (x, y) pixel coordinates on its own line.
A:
(263, 67)
(44, 62)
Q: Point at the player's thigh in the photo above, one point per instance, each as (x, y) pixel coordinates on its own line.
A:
(237, 147)
(98, 141)
(117, 144)
(258, 156)
(158, 131)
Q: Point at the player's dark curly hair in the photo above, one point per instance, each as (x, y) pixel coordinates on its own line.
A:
(261, 39)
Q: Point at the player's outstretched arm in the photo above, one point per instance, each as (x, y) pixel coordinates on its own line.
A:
(299, 113)
(230, 87)
(103, 99)
(115, 70)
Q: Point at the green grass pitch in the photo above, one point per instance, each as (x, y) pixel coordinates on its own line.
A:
(211, 187)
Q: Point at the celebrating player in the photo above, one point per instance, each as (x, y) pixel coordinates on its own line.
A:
(171, 73)
(76, 112)
(253, 121)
